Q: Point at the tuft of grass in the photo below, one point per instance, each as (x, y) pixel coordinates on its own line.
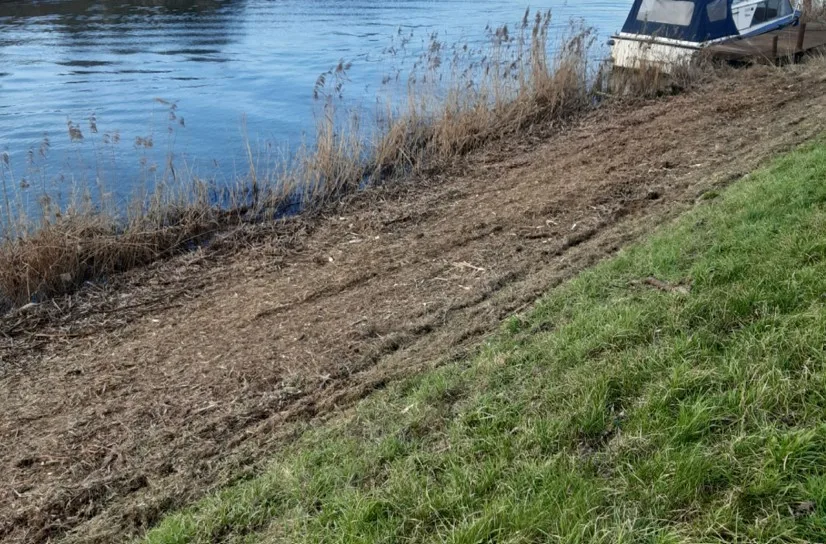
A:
(456, 100)
(640, 413)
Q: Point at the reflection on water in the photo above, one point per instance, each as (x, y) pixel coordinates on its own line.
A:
(218, 60)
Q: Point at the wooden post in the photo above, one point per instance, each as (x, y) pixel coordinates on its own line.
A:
(801, 35)
(806, 8)
(774, 48)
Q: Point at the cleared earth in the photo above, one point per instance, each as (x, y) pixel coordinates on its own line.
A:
(129, 399)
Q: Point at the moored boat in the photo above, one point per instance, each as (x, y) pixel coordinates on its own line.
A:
(665, 33)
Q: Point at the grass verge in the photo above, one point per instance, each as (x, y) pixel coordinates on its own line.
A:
(676, 393)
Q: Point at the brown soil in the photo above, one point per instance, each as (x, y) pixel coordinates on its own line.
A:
(129, 399)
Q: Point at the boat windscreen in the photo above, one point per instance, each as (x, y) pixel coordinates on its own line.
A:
(686, 20)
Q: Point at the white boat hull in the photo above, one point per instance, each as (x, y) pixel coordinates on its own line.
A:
(664, 55)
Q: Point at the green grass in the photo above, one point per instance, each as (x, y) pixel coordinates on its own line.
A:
(611, 412)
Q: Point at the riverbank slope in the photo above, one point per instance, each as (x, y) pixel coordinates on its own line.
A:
(130, 399)
(673, 394)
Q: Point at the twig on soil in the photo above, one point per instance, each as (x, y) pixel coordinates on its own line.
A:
(468, 265)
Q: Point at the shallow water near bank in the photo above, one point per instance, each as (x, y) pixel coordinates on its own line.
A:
(143, 80)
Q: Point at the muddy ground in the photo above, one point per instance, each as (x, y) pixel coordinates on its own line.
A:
(132, 398)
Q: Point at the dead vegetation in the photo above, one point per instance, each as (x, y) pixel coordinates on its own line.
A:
(59, 257)
(455, 101)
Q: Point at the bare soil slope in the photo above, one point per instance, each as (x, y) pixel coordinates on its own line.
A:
(126, 400)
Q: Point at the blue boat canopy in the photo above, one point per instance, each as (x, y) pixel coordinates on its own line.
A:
(687, 20)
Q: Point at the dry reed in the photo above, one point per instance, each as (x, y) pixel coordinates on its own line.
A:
(451, 107)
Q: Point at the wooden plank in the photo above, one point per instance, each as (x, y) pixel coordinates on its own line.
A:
(773, 46)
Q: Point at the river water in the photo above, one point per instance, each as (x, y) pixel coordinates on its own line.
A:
(201, 76)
